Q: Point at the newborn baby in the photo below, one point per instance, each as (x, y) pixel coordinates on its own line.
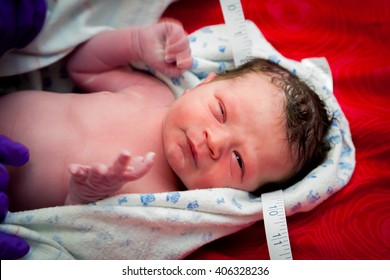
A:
(233, 130)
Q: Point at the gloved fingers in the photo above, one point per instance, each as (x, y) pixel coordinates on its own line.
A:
(4, 204)
(12, 153)
(4, 178)
(12, 247)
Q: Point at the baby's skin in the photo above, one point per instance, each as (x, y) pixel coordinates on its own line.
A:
(80, 143)
(129, 134)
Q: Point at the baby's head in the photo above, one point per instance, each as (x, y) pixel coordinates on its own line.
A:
(254, 128)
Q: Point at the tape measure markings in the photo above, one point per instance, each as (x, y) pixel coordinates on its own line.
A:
(276, 226)
(240, 41)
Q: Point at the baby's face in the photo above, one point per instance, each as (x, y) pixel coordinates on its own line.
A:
(228, 133)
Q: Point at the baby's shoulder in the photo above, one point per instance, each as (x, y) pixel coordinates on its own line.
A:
(153, 93)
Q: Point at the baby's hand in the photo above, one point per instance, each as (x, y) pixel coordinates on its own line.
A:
(165, 47)
(92, 183)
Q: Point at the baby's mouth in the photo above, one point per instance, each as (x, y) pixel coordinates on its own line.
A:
(193, 151)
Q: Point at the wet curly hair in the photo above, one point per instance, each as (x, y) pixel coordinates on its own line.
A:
(307, 119)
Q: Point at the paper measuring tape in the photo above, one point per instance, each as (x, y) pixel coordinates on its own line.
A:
(235, 21)
(276, 226)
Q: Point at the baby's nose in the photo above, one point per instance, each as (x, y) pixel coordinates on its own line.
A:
(217, 141)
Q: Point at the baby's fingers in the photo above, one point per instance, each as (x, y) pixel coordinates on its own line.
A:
(97, 175)
(139, 167)
(122, 162)
(173, 48)
(184, 60)
(79, 172)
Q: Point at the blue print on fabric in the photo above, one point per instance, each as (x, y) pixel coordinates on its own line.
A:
(201, 75)
(55, 220)
(195, 63)
(105, 236)
(173, 197)
(311, 175)
(207, 29)
(235, 202)
(327, 163)
(296, 207)
(222, 49)
(335, 123)
(220, 201)
(326, 90)
(335, 139)
(176, 81)
(192, 39)
(122, 200)
(147, 198)
(221, 66)
(313, 196)
(346, 151)
(345, 166)
(337, 114)
(28, 218)
(206, 237)
(330, 190)
(193, 205)
(274, 58)
(294, 72)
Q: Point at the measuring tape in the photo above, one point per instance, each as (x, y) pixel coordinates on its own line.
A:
(276, 226)
(239, 37)
(273, 203)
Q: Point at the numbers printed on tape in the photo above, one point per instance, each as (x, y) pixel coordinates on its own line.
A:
(276, 226)
(235, 21)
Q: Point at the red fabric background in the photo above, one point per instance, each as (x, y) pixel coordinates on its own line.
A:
(355, 38)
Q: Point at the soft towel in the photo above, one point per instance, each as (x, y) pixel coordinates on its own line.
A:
(172, 225)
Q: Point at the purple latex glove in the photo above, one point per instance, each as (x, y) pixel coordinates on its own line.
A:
(20, 22)
(16, 154)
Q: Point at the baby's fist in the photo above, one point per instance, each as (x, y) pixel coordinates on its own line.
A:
(165, 47)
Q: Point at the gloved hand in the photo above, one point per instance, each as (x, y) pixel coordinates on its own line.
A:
(16, 154)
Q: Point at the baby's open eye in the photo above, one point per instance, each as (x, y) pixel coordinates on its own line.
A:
(239, 160)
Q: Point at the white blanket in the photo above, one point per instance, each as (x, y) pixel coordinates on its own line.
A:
(172, 225)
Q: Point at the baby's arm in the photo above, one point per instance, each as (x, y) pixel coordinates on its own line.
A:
(92, 183)
(102, 62)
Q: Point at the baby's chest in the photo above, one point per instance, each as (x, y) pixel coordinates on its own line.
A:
(110, 128)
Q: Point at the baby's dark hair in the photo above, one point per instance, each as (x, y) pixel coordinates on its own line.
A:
(307, 119)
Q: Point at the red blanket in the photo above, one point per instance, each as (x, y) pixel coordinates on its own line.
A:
(354, 36)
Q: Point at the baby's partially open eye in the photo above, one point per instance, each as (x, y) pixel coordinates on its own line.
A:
(222, 110)
(239, 160)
